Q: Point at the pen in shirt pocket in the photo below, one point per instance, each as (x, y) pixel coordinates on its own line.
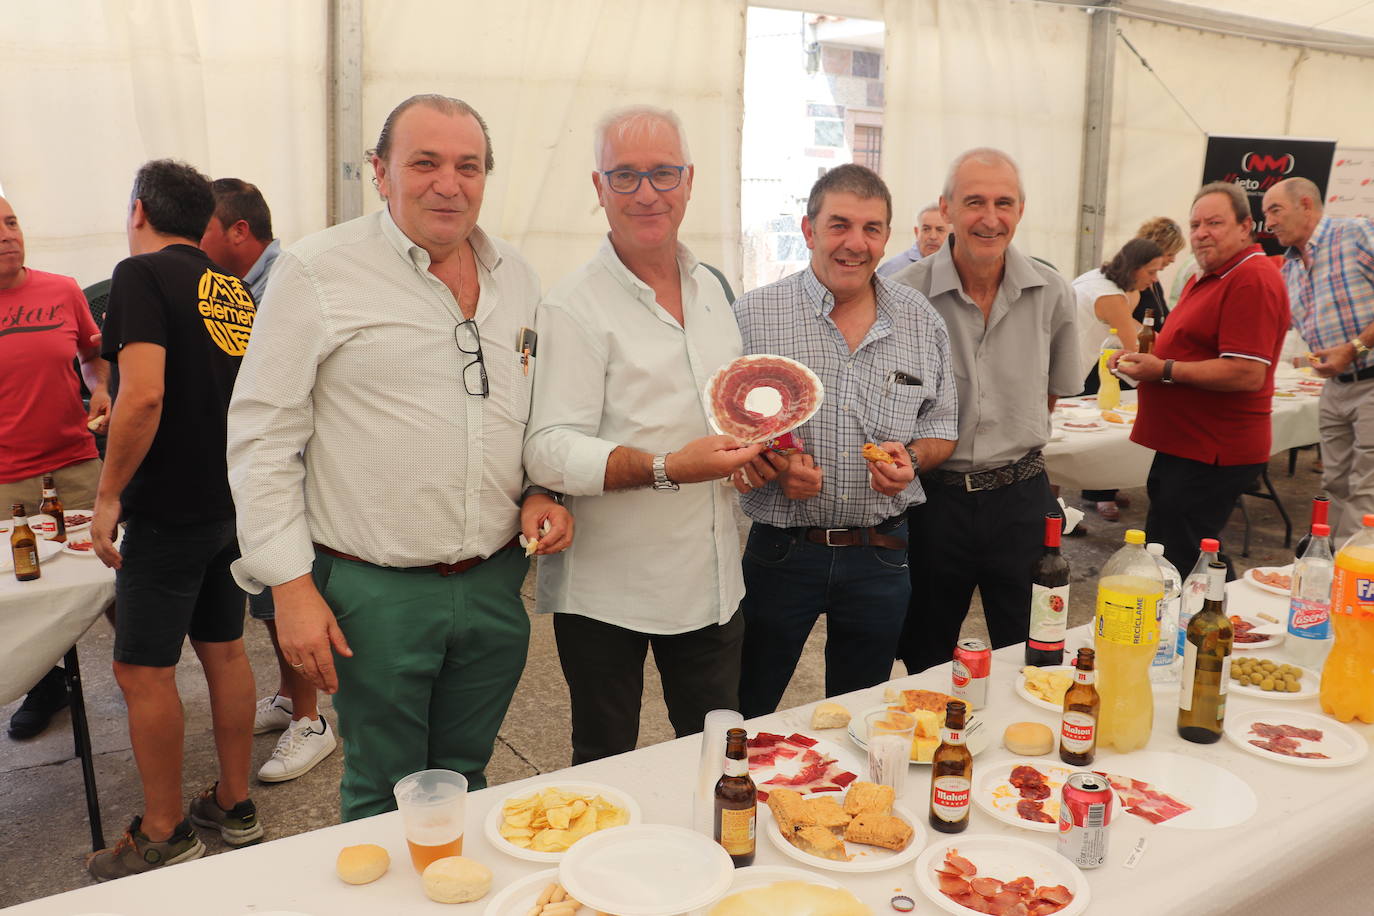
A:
(526, 343)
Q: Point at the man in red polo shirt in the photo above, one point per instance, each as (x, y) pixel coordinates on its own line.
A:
(1205, 391)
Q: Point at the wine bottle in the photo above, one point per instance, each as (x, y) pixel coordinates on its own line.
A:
(1202, 690)
(1049, 610)
(1320, 506)
(737, 802)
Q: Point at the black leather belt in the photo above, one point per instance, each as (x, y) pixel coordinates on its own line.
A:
(994, 479)
(1348, 377)
(876, 536)
(443, 569)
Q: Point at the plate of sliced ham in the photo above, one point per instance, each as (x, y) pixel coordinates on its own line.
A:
(1023, 793)
(1172, 790)
(1001, 875)
(759, 397)
(1303, 739)
(801, 763)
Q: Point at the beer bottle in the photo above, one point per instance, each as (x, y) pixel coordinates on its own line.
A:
(951, 773)
(51, 506)
(1049, 610)
(1202, 690)
(736, 801)
(1078, 727)
(1145, 340)
(24, 546)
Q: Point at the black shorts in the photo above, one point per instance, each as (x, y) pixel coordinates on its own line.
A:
(175, 582)
(261, 607)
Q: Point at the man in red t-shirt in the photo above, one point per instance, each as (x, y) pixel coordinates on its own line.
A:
(45, 324)
(1206, 389)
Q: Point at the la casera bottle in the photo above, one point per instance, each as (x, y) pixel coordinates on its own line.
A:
(1202, 687)
(1049, 610)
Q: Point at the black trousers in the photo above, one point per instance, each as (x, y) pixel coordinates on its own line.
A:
(960, 541)
(604, 667)
(1190, 501)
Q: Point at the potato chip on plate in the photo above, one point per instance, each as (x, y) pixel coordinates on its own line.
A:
(541, 822)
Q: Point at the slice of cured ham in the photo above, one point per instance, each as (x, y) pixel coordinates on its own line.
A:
(793, 762)
(1144, 800)
(983, 894)
(797, 386)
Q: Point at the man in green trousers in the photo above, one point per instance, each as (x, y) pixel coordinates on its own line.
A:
(374, 452)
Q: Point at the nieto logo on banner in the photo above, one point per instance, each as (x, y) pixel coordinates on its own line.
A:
(1256, 164)
(1265, 162)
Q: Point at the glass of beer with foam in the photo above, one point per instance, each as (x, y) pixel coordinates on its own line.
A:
(432, 805)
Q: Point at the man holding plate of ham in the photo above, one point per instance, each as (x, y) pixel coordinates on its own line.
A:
(830, 534)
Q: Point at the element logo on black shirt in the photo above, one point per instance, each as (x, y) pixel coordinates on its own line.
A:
(228, 311)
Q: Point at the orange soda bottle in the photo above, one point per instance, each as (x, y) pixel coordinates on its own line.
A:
(1347, 690)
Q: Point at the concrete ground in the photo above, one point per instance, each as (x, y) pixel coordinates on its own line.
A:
(41, 797)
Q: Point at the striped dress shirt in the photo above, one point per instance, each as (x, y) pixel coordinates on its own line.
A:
(1333, 300)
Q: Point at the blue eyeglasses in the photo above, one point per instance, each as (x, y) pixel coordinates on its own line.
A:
(661, 178)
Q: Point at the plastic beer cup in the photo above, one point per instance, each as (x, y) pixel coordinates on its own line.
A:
(432, 804)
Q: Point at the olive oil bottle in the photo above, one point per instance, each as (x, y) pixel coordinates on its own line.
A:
(1202, 690)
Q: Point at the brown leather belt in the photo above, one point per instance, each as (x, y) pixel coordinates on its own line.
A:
(443, 569)
(853, 537)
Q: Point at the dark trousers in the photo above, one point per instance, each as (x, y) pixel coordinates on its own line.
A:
(960, 541)
(1190, 501)
(788, 583)
(604, 667)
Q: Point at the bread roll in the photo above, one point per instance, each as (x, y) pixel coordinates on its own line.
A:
(829, 715)
(455, 879)
(362, 864)
(1029, 739)
(791, 898)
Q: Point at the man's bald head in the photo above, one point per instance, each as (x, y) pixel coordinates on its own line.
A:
(1292, 208)
(11, 247)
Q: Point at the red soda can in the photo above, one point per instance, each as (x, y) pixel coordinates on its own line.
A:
(972, 665)
(1085, 813)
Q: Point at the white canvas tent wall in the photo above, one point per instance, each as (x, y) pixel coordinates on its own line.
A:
(94, 87)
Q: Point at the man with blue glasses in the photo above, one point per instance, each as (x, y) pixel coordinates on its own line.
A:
(619, 425)
(374, 450)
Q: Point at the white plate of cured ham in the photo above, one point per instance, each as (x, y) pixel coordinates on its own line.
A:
(1023, 793)
(1005, 871)
(1082, 426)
(759, 397)
(1172, 790)
(1276, 580)
(1303, 739)
(801, 763)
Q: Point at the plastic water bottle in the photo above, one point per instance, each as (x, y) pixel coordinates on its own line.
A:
(1194, 593)
(1164, 667)
(1309, 610)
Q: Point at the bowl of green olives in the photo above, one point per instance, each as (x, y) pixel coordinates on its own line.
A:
(1272, 679)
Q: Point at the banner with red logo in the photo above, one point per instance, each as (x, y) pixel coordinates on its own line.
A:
(1259, 163)
(1351, 189)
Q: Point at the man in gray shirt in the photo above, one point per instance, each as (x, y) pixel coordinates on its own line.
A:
(1014, 346)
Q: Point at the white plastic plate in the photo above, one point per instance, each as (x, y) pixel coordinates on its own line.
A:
(866, 858)
(646, 870)
(994, 793)
(976, 734)
(753, 876)
(491, 827)
(1342, 744)
(1004, 858)
(1251, 581)
(1034, 700)
(716, 376)
(46, 551)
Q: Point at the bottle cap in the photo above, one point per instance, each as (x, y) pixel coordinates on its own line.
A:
(1321, 531)
(1155, 550)
(1210, 545)
(1368, 521)
(1113, 330)
(1136, 536)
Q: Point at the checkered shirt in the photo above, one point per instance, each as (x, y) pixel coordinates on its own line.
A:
(1333, 300)
(862, 402)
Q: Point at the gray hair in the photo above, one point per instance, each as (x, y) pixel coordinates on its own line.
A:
(933, 205)
(624, 121)
(1298, 188)
(442, 104)
(1240, 202)
(983, 155)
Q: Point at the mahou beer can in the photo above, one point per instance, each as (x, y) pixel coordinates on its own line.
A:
(972, 665)
(1085, 814)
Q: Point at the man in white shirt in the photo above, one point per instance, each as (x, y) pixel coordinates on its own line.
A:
(619, 425)
(374, 452)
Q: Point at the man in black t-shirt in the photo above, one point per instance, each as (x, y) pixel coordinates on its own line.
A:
(176, 331)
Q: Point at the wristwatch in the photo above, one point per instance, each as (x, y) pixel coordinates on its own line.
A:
(661, 481)
(535, 488)
(1167, 376)
(1360, 348)
(915, 462)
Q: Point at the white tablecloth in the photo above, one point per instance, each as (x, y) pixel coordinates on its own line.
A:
(40, 620)
(1302, 852)
(1107, 459)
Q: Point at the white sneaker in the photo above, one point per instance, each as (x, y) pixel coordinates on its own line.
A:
(272, 714)
(303, 744)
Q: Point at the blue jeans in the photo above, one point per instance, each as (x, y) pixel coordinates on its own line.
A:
(788, 583)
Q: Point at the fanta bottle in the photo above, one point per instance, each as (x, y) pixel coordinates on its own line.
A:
(1108, 387)
(1126, 633)
(1348, 676)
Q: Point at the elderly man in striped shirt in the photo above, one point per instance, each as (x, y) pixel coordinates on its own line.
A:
(830, 532)
(1329, 272)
